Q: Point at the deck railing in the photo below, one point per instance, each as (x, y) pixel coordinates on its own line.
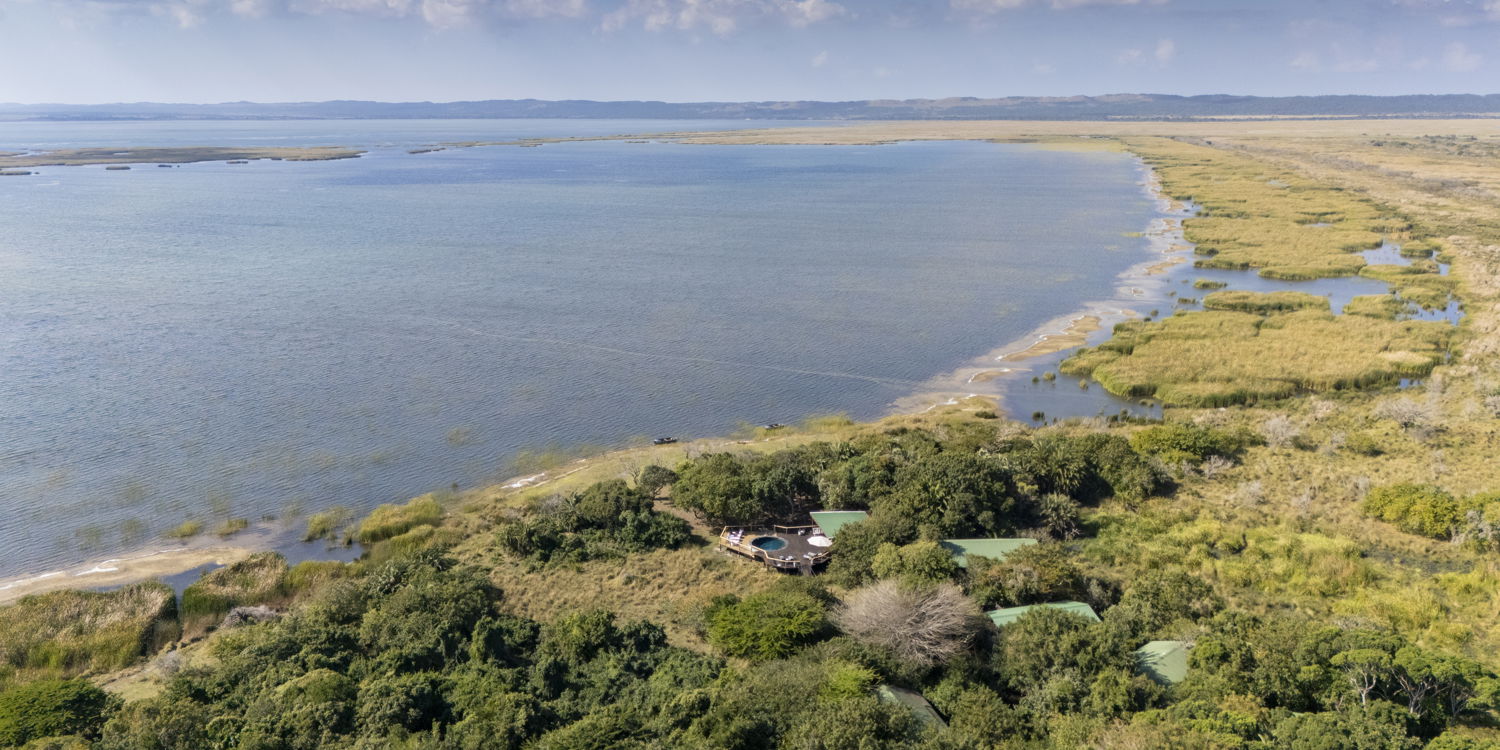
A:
(743, 546)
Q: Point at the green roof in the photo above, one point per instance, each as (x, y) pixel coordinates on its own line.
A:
(995, 549)
(1003, 617)
(1163, 661)
(912, 700)
(830, 521)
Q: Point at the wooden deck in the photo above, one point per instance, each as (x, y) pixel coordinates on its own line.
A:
(799, 554)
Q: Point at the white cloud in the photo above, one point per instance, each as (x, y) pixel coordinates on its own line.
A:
(1129, 56)
(1308, 61)
(719, 16)
(1043, 69)
(990, 7)
(1458, 58)
(820, 59)
(437, 13)
(1166, 49)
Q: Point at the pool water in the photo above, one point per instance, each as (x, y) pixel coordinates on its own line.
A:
(768, 543)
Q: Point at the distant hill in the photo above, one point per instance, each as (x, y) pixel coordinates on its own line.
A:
(1115, 106)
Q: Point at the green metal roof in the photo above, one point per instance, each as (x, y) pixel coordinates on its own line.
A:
(830, 521)
(1163, 661)
(995, 549)
(1003, 617)
(901, 696)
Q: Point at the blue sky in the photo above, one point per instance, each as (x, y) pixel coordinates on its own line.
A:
(83, 51)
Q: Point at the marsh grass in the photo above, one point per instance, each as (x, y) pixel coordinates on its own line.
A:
(185, 530)
(1383, 306)
(66, 633)
(1220, 358)
(326, 524)
(388, 521)
(1264, 302)
(258, 579)
(231, 526)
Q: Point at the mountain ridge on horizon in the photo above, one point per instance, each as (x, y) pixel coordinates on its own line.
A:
(1079, 107)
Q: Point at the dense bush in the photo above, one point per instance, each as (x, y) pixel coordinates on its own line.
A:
(920, 623)
(49, 708)
(1179, 441)
(922, 562)
(1415, 509)
(608, 519)
(769, 625)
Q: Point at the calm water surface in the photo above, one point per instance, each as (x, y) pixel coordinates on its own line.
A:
(216, 340)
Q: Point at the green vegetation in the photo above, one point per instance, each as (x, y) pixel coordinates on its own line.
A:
(770, 625)
(185, 530)
(607, 520)
(231, 526)
(51, 708)
(1383, 306)
(1209, 284)
(388, 521)
(258, 579)
(1221, 358)
(326, 524)
(63, 634)
(1264, 302)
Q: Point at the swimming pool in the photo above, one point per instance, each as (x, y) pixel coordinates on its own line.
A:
(768, 543)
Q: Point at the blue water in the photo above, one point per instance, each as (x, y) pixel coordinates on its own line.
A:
(239, 340)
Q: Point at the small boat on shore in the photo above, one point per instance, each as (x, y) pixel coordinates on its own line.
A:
(664, 441)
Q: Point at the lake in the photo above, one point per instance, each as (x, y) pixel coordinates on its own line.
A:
(216, 340)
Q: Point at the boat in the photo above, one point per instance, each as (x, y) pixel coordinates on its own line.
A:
(664, 441)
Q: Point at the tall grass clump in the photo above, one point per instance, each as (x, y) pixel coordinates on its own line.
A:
(1264, 302)
(258, 579)
(326, 524)
(62, 634)
(388, 521)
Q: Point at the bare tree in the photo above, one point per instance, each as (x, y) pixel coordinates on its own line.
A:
(1280, 431)
(1410, 413)
(922, 625)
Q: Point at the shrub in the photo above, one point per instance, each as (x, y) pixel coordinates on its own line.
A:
(1416, 509)
(1179, 441)
(231, 526)
(1363, 444)
(387, 521)
(769, 625)
(917, 563)
(921, 625)
(48, 708)
(1030, 575)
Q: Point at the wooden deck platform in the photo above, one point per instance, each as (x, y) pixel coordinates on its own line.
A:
(798, 554)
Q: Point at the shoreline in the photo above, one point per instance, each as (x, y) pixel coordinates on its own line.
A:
(1057, 336)
(1144, 283)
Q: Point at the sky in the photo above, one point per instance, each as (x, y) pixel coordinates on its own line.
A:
(93, 51)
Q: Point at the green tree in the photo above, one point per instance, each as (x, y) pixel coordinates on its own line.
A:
(47, 708)
(718, 488)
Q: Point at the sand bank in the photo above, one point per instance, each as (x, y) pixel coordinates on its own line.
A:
(120, 571)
